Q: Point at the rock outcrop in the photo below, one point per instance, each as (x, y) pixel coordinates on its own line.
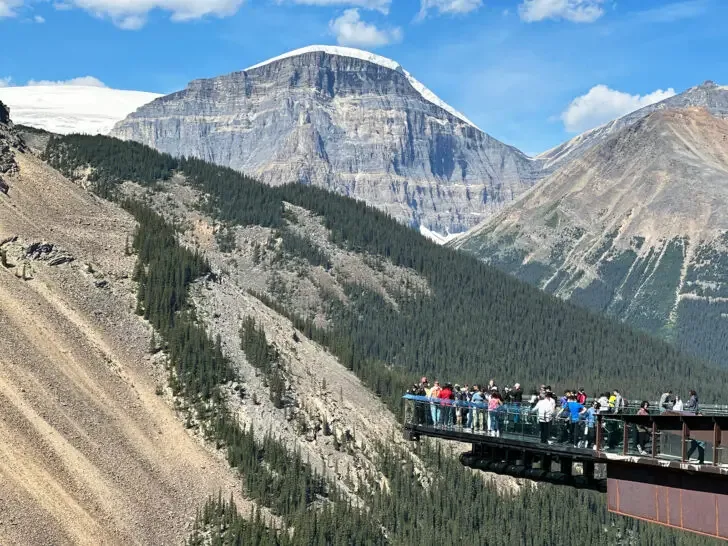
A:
(346, 120)
(9, 141)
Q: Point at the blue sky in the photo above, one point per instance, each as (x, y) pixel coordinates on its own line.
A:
(531, 73)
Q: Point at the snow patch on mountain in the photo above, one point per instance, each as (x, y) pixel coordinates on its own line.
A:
(372, 58)
(68, 109)
(438, 237)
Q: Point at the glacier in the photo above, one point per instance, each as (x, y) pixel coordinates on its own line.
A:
(66, 109)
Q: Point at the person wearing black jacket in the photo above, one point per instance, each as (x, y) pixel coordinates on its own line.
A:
(517, 394)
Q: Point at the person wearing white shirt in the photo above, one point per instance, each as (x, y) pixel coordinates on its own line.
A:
(545, 409)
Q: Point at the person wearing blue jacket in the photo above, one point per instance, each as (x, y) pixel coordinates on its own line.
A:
(475, 415)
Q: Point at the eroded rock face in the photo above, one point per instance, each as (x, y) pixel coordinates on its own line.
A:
(9, 139)
(4, 113)
(348, 124)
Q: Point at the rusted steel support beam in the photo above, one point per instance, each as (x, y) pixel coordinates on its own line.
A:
(654, 439)
(598, 441)
(717, 434)
(546, 463)
(625, 439)
(566, 465)
(684, 436)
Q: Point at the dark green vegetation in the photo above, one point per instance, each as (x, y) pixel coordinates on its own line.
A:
(276, 478)
(636, 285)
(263, 356)
(476, 323)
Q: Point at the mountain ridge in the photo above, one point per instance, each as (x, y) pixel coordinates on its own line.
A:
(352, 125)
(634, 228)
(708, 94)
(372, 58)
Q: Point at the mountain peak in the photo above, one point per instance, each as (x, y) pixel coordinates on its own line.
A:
(373, 58)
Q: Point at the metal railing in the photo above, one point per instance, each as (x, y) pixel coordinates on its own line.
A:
(619, 434)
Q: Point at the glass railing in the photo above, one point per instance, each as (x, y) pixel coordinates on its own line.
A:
(609, 433)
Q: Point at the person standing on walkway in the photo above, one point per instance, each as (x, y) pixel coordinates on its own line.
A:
(545, 411)
(666, 401)
(475, 417)
(574, 409)
(434, 394)
(446, 397)
(641, 430)
(494, 406)
(590, 417)
(581, 396)
(679, 405)
(692, 404)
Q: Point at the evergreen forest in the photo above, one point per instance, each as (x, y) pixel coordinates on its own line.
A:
(476, 323)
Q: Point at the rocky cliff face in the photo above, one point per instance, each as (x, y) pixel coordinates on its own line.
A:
(346, 120)
(9, 141)
(636, 228)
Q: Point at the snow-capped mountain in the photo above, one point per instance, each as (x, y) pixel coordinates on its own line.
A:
(347, 120)
(72, 108)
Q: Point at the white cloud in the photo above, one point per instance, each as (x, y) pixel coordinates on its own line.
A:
(350, 30)
(602, 104)
(132, 14)
(451, 7)
(379, 5)
(38, 19)
(86, 81)
(576, 11)
(7, 7)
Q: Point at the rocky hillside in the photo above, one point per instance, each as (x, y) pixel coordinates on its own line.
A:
(636, 228)
(708, 95)
(93, 452)
(97, 447)
(10, 142)
(345, 120)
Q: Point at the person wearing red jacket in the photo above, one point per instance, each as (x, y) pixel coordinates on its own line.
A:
(581, 396)
(446, 396)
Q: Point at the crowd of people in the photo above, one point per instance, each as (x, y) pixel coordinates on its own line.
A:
(476, 408)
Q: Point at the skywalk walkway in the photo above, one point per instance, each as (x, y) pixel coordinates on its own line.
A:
(680, 470)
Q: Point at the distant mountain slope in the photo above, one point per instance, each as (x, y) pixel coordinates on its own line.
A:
(346, 120)
(72, 108)
(637, 227)
(708, 95)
